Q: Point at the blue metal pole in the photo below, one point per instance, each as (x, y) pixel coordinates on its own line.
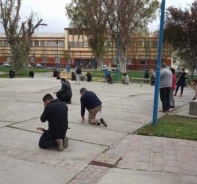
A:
(117, 54)
(157, 81)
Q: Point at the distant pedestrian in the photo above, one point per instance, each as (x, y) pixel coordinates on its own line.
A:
(152, 78)
(181, 79)
(31, 74)
(146, 76)
(73, 76)
(92, 103)
(172, 102)
(89, 77)
(78, 73)
(11, 73)
(109, 79)
(125, 78)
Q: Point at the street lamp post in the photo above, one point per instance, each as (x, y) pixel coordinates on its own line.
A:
(117, 54)
(145, 49)
(57, 64)
(69, 60)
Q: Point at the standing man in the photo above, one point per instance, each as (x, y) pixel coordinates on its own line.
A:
(78, 74)
(56, 113)
(165, 86)
(92, 103)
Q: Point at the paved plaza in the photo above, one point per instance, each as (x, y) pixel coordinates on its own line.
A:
(126, 108)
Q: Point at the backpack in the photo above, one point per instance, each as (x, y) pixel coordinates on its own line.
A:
(78, 71)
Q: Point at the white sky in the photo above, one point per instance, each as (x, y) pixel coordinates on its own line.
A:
(54, 15)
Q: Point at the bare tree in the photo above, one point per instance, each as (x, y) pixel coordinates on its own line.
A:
(90, 16)
(126, 18)
(18, 36)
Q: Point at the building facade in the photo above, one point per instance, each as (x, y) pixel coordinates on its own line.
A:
(71, 47)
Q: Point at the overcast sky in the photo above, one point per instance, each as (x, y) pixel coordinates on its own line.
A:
(53, 13)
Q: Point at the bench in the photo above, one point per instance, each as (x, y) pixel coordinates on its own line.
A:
(65, 75)
(140, 80)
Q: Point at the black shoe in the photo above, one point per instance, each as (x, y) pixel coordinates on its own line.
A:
(194, 98)
(172, 106)
(103, 122)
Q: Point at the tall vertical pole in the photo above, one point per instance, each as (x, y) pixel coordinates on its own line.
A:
(117, 54)
(156, 95)
(144, 58)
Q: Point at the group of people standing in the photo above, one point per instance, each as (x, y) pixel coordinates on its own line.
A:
(170, 83)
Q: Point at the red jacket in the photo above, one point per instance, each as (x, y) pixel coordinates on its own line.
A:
(173, 81)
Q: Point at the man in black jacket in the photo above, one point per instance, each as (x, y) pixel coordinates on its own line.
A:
(65, 93)
(92, 103)
(56, 113)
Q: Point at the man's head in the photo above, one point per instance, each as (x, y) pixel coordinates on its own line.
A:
(182, 69)
(173, 70)
(163, 65)
(83, 90)
(47, 99)
(124, 74)
(63, 80)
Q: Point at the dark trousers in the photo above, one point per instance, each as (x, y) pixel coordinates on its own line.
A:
(165, 97)
(66, 99)
(47, 141)
(177, 88)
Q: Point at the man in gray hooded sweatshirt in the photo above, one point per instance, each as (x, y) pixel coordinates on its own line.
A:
(165, 86)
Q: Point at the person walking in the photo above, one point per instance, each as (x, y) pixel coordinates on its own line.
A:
(172, 102)
(181, 78)
(56, 113)
(78, 73)
(92, 103)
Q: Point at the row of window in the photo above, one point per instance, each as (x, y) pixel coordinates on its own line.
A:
(38, 43)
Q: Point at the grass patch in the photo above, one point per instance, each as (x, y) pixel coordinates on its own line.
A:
(23, 73)
(173, 127)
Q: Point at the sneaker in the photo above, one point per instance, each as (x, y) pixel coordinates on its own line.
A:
(194, 98)
(60, 144)
(103, 122)
(172, 107)
(65, 142)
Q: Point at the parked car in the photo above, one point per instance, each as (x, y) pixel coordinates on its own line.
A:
(39, 66)
(6, 64)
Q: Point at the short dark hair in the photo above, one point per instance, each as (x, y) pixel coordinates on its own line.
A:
(47, 97)
(63, 79)
(183, 69)
(163, 65)
(172, 70)
(83, 90)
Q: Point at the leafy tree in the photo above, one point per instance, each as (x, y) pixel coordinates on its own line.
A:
(128, 17)
(90, 16)
(18, 36)
(180, 31)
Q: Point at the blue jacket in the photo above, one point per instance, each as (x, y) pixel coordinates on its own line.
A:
(89, 100)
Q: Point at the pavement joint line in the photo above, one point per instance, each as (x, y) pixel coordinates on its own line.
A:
(46, 89)
(26, 101)
(24, 121)
(10, 126)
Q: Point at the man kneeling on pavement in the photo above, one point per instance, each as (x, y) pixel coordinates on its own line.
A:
(92, 103)
(56, 113)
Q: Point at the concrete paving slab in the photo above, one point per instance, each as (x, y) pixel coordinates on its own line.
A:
(22, 172)
(99, 135)
(117, 176)
(4, 123)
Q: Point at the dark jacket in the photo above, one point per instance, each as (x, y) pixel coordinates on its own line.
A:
(89, 100)
(182, 76)
(65, 92)
(146, 75)
(56, 113)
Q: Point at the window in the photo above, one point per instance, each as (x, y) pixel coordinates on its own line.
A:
(6, 43)
(142, 62)
(36, 43)
(42, 43)
(139, 44)
(81, 44)
(61, 44)
(44, 59)
(1, 43)
(154, 44)
(49, 43)
(146, 43)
